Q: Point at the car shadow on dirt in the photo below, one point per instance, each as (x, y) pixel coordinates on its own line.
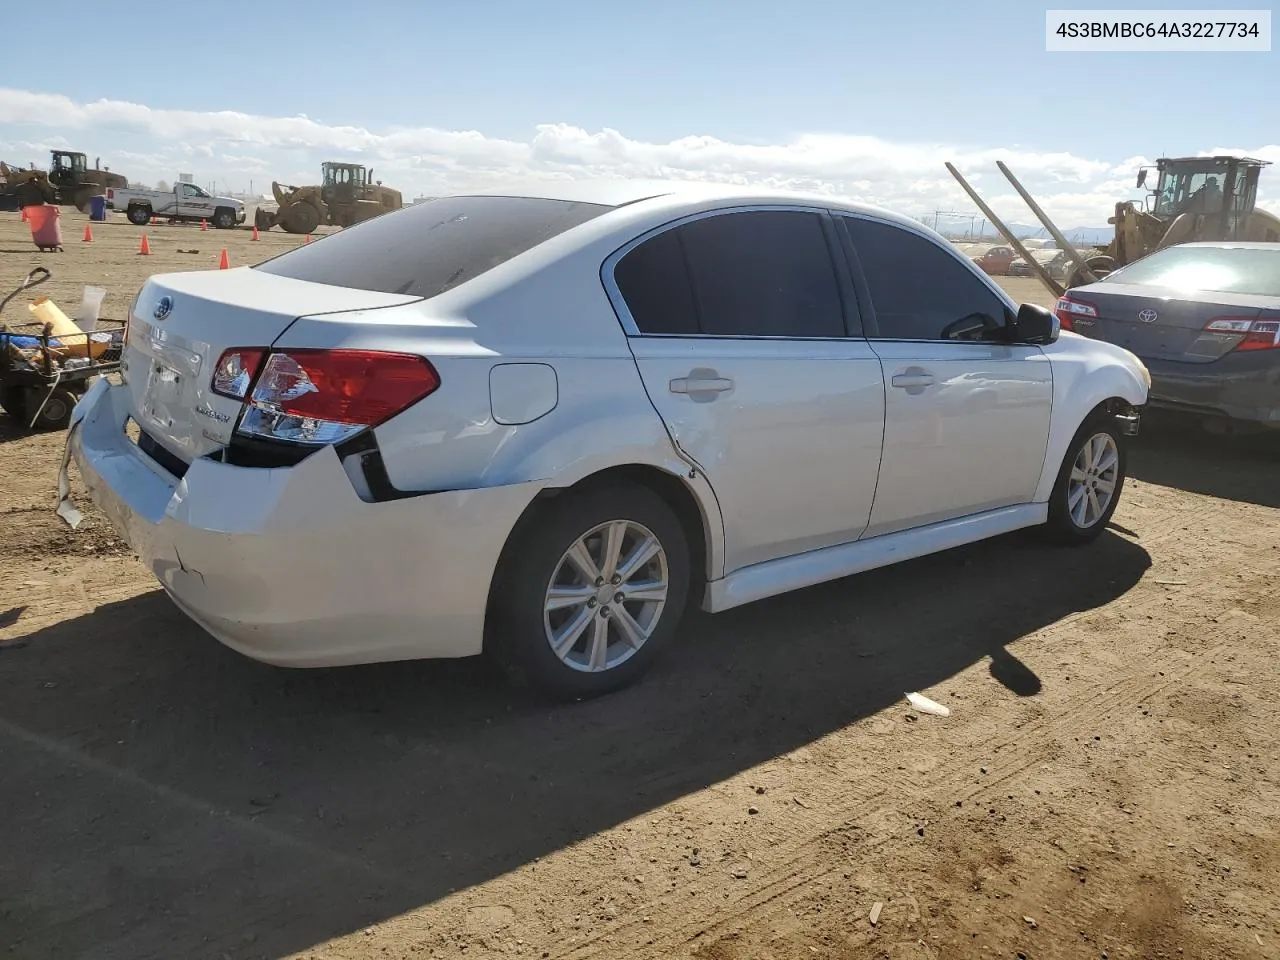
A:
(164, 796)
(1175, 452)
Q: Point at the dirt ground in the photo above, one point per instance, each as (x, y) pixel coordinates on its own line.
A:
(1107, 786)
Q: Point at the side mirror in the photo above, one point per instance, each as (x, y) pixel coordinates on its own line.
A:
(1142, 178)
(1035, 325)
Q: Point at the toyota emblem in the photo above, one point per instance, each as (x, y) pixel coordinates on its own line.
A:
(1147, 316)
(163, 308)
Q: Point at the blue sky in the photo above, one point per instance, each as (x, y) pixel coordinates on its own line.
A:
(801, 93)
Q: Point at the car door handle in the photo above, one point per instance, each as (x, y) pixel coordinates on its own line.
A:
(907, 381)
(701, 385)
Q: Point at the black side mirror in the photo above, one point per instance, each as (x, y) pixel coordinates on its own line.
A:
(1142, 178)
(1035, 325)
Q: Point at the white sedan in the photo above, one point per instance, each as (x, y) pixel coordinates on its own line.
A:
(538, 424)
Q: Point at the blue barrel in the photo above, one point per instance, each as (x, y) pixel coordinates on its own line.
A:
(97, 208)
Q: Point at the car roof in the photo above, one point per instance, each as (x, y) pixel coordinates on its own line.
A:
(623, 192)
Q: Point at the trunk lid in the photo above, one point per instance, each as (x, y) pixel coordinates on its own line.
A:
(181, 323)
(1157, 324)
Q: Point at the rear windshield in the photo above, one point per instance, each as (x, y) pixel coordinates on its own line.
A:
(433, 246)
(1218, 269)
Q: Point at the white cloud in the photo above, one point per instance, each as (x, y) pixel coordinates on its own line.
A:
(231, 147)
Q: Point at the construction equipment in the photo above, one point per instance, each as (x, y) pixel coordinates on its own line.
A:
(68, 182)
(347, 195)
(1195, 198)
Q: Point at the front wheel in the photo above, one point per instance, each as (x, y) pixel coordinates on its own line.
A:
(1089, 482)
(589, 592)
(224, 219)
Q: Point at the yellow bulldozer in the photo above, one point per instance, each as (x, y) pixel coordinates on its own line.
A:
(347, 195)
(1195, 198)
(68, 182)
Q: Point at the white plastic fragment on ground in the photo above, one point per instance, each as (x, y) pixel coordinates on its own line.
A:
(875, 912)
(925, 705)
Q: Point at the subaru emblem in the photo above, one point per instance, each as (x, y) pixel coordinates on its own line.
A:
(163, 308)
(1147, 316)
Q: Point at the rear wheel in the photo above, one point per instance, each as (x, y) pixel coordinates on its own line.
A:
(1087, 491)
(589, 592)
(139, 216)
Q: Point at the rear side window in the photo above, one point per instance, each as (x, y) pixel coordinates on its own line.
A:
(919, 290)
(759, 273)
(434, 246)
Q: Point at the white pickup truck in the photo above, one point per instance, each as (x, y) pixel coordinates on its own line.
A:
(185, 201)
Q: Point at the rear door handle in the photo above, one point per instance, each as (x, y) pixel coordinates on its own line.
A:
(908, 381)
(701, 385)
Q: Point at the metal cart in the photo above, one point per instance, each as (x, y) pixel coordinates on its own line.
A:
(42, 377)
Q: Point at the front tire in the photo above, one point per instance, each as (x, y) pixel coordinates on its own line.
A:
(589, 592)
(1089, 483)
(224, 218)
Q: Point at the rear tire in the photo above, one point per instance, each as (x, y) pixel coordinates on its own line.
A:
(1089, 483)
(542, 594)
(139, 216)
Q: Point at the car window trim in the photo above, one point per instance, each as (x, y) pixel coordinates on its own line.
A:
(850, 312)
(870, 322)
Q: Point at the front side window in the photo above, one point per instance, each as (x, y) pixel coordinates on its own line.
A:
(756, 273)
(919, 290)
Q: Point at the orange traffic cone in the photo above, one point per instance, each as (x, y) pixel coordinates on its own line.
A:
(224, 262)
(307, 238)
(88, 234)
(144, 248)
(155, 221)
(204, 224)
(255, 232)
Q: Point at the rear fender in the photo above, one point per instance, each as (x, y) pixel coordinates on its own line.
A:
(587, 417)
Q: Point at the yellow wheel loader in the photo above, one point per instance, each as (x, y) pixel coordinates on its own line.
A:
(347, 195)
(1195, 198)
(69, 181)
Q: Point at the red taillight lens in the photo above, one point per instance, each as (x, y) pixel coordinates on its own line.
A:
(1067, 309)
(235, 371)
(325, 396)
(1255, 334)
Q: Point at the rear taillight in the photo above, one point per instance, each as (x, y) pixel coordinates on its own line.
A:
(320, 396)
(1254, 334)
(1068, 310)
(235, 371)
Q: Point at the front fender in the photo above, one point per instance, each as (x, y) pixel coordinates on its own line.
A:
(1083, 379)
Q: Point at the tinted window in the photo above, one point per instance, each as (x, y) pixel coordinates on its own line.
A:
(434, 246)
(654, 281)
(761, 273)
(920, 290)
(1218, 269)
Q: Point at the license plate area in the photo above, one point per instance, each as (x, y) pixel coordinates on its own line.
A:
(162, 398)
